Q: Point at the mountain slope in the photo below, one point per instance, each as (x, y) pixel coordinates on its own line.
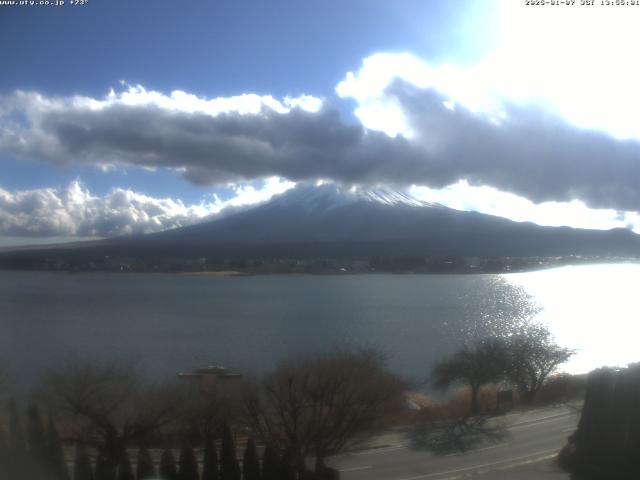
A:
(329, 221)
(332, 221)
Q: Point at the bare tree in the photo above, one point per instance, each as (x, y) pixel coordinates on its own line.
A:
(315, 406)
(475, 365)
(111, 405)
(203, 414)
(533, 356)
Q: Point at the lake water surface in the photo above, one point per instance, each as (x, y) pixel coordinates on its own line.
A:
(176, 322)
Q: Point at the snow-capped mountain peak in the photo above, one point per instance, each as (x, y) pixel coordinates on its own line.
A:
(330, 195)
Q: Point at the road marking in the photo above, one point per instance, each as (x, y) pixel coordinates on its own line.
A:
(355, 469)
(530, 459)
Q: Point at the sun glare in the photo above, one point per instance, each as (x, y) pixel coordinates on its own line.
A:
(578, 60)
(578, 301)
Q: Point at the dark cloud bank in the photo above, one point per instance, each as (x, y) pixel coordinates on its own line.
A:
(531, 153)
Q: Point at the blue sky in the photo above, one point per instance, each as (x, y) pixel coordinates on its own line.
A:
(120, 116)
(219, 47)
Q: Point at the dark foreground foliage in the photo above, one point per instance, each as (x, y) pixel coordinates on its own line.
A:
(607, 441)
(525, 356)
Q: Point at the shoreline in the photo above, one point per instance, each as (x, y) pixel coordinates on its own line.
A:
(343, 272)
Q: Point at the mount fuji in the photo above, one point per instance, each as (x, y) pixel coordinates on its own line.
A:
(331, 221)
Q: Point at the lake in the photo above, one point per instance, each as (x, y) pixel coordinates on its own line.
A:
(171, 323)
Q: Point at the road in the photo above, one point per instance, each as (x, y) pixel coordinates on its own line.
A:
(526, 451)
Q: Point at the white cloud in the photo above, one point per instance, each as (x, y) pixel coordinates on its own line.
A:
(181, 101)
(463, 196)
(524, 150)
(75, 212)
(28, 121)
(452, 136)
(244, 195)
(379, 110)
(308, 103)
(576, 62)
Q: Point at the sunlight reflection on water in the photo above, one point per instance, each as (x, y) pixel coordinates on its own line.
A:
(592, 308)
